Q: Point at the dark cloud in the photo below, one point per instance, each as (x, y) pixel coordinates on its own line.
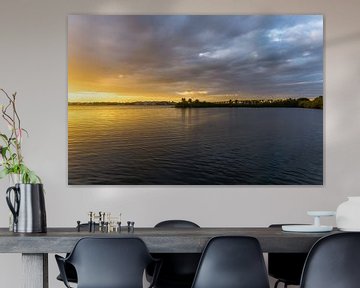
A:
(263, 56)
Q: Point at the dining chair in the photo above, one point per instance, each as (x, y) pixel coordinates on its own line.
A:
(333, 262)
(286, 267)
(108, 263)
(178, 269)
(70, 271)
(232, 262)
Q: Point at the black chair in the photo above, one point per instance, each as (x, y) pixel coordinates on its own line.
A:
(178, 269)
(286, 267)
(108, 263)
(176, 224)
(333, 262)
(69, 269)
(232, 262)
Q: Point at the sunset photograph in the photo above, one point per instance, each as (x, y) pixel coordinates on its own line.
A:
(195, 99)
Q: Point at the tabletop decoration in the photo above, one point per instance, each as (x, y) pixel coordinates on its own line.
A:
(12, 159)
(348, 214)
(315, 227)
(25, 197)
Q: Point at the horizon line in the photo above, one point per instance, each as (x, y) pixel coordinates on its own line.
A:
(192, 99)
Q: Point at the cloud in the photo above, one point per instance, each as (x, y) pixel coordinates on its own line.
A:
(310, 33)
(192, 93)
(222, 55)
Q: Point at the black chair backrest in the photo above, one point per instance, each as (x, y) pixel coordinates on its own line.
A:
(69, 269)
(333, 262)
(110, 262)
(176, 224)
(232, 262)
(178, 269)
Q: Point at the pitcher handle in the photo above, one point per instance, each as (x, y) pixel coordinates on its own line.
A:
(13, 208)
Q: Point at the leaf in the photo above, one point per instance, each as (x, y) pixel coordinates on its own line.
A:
(15, 169)
(26, 132)
(3, 151)
(33, 178)
(4, 173)
(25, 178)
(4, 137)
(28, 176)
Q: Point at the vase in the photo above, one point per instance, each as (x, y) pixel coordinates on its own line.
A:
(27, 204)
(348, 214)
(13, 179)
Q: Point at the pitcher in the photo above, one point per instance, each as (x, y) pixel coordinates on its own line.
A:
(28, 208)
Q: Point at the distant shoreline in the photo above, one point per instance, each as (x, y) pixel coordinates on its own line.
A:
(316, 103)
(153, 103)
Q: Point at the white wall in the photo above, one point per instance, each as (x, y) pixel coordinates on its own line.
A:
(33, 62)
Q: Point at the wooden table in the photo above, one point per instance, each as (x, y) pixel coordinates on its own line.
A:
(35, 247)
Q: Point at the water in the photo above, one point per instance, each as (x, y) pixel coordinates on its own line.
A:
(164, 145)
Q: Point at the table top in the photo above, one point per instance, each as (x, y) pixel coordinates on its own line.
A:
(158, 240)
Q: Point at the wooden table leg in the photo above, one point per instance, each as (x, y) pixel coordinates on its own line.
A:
(35, 270)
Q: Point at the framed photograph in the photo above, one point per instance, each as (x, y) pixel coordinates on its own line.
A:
(195, 100)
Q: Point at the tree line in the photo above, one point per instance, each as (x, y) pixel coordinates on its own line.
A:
(316, 103)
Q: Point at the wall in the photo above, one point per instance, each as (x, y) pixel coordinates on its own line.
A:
(33, 62)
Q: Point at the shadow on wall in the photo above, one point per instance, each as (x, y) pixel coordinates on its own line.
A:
(108, 7)
(343, 39)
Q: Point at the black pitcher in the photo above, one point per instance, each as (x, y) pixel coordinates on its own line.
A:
(28, 208)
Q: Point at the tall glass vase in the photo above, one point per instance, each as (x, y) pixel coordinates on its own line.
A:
(13, 179)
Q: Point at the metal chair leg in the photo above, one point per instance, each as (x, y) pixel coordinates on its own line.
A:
(277, 283)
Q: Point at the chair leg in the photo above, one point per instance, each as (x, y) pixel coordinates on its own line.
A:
(278, 282)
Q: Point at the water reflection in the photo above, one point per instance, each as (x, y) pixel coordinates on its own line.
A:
(165, 145)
